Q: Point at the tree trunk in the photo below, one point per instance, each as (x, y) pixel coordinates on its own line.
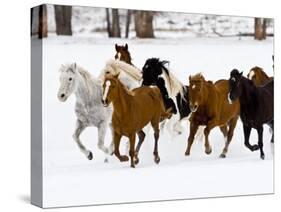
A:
(63, 16)
(115, 32)
(264, 25)
(144, 24)
(128, 21)
(108, 22)
(43, 22)
(259, 29)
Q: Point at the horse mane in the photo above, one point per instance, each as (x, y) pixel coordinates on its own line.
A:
(90, 82)
(175, 85)
(129, 92)
(118, 66)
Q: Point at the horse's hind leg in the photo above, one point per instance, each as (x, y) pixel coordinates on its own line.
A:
(78, 130)
(247, 132)
(232, 125)
(260, 142)
(155, 125)
(101, 135)
(141, 136)
(271, 125)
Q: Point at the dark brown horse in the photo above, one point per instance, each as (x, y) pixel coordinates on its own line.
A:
(258, 76)
(210, 107)
(132, 111)
(123, 54)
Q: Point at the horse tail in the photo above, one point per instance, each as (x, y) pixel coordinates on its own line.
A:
(166, 114)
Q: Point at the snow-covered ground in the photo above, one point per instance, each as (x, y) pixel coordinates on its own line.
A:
(70, 179)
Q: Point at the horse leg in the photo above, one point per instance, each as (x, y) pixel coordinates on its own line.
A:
(271, 125)
(117, 138)
(78, 130)
(101, 135)
(156, 137)
(193, 129)
(247, 132)
(111, 146)
(260, 142)
(141, 136)
(208, 148)
(132, 149)
(177, 127)
(224, 132)
(232, 125)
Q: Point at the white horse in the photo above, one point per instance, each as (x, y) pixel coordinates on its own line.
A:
(89, 108)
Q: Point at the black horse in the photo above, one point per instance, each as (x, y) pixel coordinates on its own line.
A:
(256, 106)
(154, 72)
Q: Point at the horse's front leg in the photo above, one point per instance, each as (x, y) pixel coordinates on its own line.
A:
(141, 136)
(211, 124)
(117, 138)
(101, 135)
(193, 129)
(260, 142)
(78, 130)
(132, 138)
(247, 132)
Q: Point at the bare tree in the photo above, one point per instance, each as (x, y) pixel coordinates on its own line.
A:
(128, 21)
(144, 24)
(108, 22)
(43, 22)
(260, 28)
(63, 16)
(113, 25)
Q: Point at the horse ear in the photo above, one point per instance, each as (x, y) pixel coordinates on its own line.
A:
(116, 47)
(241, 73)
(189, 77)
(126, 46)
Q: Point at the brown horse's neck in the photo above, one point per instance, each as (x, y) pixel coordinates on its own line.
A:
(205, 93)
(121, 103)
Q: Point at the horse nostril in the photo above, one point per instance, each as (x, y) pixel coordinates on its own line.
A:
(62, 95)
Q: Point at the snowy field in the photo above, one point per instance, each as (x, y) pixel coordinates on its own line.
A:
(70, 179)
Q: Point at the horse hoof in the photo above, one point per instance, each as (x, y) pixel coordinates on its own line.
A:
(124, 158)
(262, 157)
(106, 160)
(187, 153)
(133, 166)
(255, 147)
(157, 160)
(222, 155)
(209, 151)
(90, 156)
(136, 160)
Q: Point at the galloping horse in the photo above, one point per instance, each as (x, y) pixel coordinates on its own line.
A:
(89, 109)
(132, 110)
(210, 107)
(258, 76)
(256, 104)
(155, 72)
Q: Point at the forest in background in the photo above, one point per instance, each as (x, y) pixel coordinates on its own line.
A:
(75, 20)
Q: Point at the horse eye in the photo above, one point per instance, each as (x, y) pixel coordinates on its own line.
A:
(70, 79)
(107, 72)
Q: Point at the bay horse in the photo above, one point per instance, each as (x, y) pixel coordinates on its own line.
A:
(174, 93)
(88, 108)
(258, 76)
(210, 107)
(256, 104)
(132, 110)
(123, 54)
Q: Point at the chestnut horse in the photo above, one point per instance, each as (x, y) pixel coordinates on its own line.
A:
(258, 76)
(210, 107)
(123, 54)
(132, 110)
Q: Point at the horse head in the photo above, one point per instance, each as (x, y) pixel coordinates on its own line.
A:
(258, 76)
(68, 81)
(234, 85)
(110, 89)
(196, 91)
(123, 54)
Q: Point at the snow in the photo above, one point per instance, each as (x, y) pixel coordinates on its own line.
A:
(70, 179)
